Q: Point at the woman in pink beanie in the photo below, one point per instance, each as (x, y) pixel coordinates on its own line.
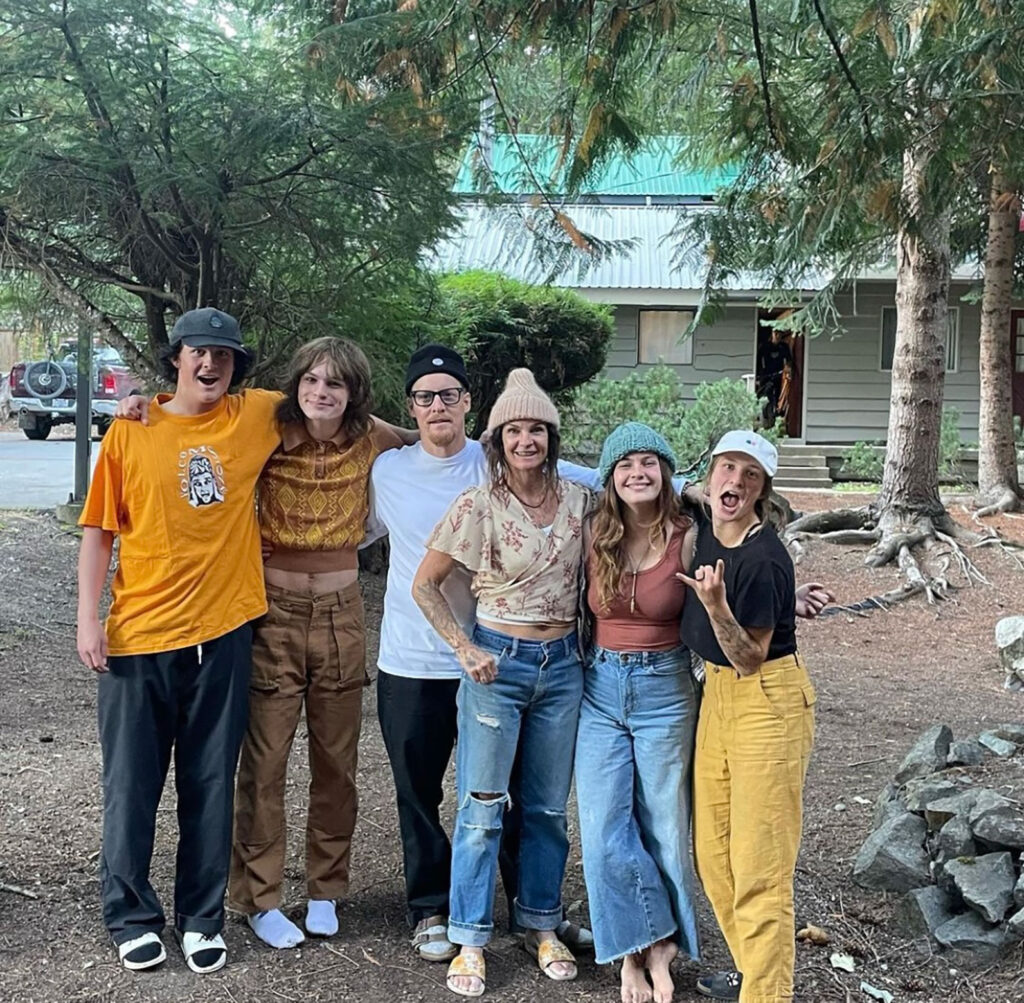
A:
(519, 536)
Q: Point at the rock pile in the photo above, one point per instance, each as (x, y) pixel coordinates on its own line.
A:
(1010, 642)
(951, 847)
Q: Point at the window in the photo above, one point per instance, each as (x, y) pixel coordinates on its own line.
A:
(1018, 346)
(659, 337)
(889, 339)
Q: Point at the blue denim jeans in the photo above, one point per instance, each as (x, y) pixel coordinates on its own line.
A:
(532, 705)
(634, 754)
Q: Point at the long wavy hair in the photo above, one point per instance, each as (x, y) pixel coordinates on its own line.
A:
(345, 361)
(497, 466)
(610, 562)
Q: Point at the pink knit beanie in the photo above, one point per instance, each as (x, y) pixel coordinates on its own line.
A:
(522, 400)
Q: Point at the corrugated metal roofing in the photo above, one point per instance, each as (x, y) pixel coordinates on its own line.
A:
(653, 170)
(527, 244)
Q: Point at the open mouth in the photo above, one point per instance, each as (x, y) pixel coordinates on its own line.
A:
(729, 500)
(208, 381)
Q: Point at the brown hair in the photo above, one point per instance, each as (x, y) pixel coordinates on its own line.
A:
(608, 533)
(494, 450)
(345, 361)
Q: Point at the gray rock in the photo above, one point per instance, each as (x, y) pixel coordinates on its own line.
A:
(927, 755)
(893, 856)
(1015, 925)
(969, 933)
(1012, 732)
(966, 752)
(920, 792)
(938, 812)
(954, 840)
(996, 821)
(1018, 891)
(1000, 746)
(888, 804)
(985, 883)
(1010, 642)
(923, 910)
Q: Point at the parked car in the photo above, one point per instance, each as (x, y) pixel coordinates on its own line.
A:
(43, 393)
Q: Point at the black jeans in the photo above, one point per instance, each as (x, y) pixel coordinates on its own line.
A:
(149, 705)
(418, 720)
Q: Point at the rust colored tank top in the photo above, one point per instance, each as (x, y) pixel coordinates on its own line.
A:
(659, 605)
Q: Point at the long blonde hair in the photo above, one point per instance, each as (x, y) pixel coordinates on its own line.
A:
(608, 544)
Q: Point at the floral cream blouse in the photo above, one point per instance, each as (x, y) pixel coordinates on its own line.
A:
(522, 573)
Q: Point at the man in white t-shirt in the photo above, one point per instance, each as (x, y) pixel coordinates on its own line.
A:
(412, 488)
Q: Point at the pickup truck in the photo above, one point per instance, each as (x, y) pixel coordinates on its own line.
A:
(42, 393)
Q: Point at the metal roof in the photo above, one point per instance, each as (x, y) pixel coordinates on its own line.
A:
(517, 164)
(529, 244)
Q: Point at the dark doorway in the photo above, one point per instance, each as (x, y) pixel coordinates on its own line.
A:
(1017, 361)
(779, 376)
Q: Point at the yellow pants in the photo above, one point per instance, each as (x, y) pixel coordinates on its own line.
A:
(754, 739)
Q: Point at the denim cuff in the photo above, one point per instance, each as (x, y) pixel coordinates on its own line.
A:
(538, 919)
(470, 934)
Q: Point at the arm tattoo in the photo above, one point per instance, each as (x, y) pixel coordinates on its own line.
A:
(435, 608)
(743, 651)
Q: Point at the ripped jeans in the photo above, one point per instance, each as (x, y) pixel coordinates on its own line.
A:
(532, 705)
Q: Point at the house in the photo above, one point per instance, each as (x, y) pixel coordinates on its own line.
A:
(841, 386)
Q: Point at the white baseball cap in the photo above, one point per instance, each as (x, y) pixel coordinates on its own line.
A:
(757, 447)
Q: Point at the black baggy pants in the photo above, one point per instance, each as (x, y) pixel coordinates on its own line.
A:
(418, 721)
(195, 701)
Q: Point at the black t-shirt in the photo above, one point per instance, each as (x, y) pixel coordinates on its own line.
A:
(775, 358)
(760, 589)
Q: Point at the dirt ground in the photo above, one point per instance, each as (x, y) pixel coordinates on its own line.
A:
(881, 679)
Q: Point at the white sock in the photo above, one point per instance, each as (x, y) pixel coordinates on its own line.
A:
(275, 929)
(321, 919)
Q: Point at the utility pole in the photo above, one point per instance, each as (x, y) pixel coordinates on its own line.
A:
(83, 414)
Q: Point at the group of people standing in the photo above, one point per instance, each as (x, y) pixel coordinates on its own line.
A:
(545, 616)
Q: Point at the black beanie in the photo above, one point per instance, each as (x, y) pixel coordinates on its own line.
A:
(435, 359)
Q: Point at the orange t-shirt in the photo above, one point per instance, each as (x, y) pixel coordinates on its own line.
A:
(180, 496)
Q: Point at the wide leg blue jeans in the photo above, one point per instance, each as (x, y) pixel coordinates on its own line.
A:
(633, 769)
(532, 705)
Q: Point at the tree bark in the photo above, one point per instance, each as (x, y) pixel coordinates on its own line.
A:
(910, 481)
(997, 457)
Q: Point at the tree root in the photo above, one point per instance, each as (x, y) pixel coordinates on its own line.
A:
(893, 536)
(863, 517)
(1006, 500)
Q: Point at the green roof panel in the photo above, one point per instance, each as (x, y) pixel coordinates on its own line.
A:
(653, 170)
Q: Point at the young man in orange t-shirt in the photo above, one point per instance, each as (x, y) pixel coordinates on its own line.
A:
(173, 657)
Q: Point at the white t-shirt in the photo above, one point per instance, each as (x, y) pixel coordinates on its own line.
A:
(410, 491)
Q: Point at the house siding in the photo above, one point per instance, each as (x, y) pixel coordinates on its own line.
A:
(846, 394)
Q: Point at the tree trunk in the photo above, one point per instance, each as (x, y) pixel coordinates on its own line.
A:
(998, 485)
(909, 499)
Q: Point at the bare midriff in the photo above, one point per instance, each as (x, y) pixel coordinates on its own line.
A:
(312, 572)
(529, 631)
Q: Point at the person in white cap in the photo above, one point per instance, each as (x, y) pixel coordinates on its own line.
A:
(756, 723)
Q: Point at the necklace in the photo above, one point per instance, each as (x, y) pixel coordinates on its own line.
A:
(635, 570)
(526, 504)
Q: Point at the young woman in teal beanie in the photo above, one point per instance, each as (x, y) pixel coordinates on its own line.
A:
(637, 721)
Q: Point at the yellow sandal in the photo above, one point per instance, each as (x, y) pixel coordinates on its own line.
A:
(470, 966)
(548, 953)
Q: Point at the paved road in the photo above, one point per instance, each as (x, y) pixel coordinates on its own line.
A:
(37, 474)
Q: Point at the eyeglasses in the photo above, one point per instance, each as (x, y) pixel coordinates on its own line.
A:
(449, 396)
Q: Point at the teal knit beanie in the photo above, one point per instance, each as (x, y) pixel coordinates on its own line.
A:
(632, 437)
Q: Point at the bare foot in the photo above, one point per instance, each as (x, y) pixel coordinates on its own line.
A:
(659, 957)
(635, 988)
